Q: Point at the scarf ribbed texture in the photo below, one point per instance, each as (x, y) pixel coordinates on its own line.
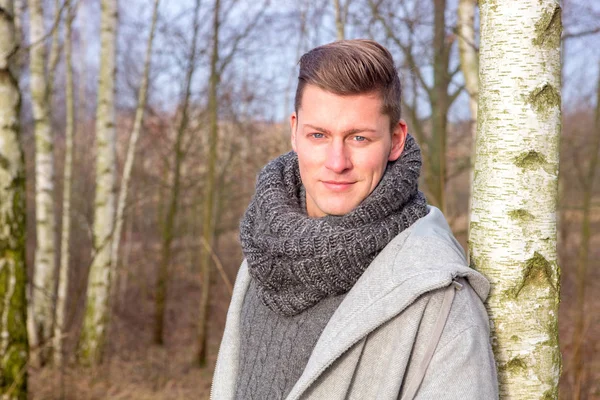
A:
(298, 261)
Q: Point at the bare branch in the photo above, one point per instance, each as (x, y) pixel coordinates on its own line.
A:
(573, 35)
(455, 71)
(54, 26)
(456, 93)
(237, 40)
(407, 50)
(219, 265)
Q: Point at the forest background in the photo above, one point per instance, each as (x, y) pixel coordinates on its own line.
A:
(236, 94)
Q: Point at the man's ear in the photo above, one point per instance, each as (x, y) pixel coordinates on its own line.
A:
(293, 127)
(398, 140)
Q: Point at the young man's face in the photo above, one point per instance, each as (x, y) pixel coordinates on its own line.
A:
(343, 145)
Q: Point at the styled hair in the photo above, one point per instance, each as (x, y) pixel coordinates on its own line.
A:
(350, 67)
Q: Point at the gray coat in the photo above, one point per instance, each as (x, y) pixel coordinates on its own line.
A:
(413, 326)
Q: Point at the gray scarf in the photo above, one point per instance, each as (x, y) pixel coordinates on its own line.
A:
(298, 261)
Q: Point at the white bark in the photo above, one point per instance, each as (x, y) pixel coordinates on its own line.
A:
(133, 138)
(99, 281)
(63, 278)
(513, 221)
(13, 331)
(44, 275)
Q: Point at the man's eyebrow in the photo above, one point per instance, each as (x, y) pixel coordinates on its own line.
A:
(348, 132)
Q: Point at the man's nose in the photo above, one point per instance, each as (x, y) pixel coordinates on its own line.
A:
(338, 158)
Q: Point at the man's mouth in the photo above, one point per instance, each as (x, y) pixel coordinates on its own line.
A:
(338, 186)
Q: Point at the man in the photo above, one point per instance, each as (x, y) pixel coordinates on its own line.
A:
(352, 287)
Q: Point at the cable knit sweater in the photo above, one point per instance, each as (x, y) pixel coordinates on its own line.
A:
(274, 349)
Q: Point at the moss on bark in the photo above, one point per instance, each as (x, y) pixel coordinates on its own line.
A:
(545, 99)
(548, 29)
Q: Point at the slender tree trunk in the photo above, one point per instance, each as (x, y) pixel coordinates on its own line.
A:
(54, 55)
(44, 276)
(339, 20)
(97, 314)
(584, 252)
(208, 219)
(440, 104)
(469, 65)
(124, 281)
(169, 225)
(63, 277)
(469, 60)
(19, 59)
(13, 275)
(301, 38)
(513, 221)
(133, 138)
(82, 102)
(439, 95)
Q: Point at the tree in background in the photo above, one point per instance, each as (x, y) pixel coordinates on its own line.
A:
(419, 62)
(469, 60)
(168, 227)
(586, 178)
(63, 274)
(218, 64)
(469, 65)
(341, 17)
(13, 275)
(97, 313)
(208, 220)
(44, 275)
(133, 139)
(513, 220)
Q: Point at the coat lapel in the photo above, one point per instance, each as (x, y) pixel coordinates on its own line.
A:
(375, 299)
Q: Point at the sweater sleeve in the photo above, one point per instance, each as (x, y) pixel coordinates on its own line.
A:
(464, 368)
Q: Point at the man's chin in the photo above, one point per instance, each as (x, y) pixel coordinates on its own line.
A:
(338, 209)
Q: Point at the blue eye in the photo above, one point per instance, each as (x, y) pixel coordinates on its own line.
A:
(317, 135)
(360, 138)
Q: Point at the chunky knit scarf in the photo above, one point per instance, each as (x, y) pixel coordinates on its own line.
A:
(298, 261)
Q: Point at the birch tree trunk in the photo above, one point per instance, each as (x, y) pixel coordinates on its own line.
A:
(97, 313)
(133, 138)
(169, 225)
(63, 276)
(513, 221)
(44, 275)
(208, 217)
(13, 275)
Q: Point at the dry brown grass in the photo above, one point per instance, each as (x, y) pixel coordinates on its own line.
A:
(134, 368)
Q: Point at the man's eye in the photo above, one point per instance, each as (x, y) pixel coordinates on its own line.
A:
(317, 135)
(360, 138)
